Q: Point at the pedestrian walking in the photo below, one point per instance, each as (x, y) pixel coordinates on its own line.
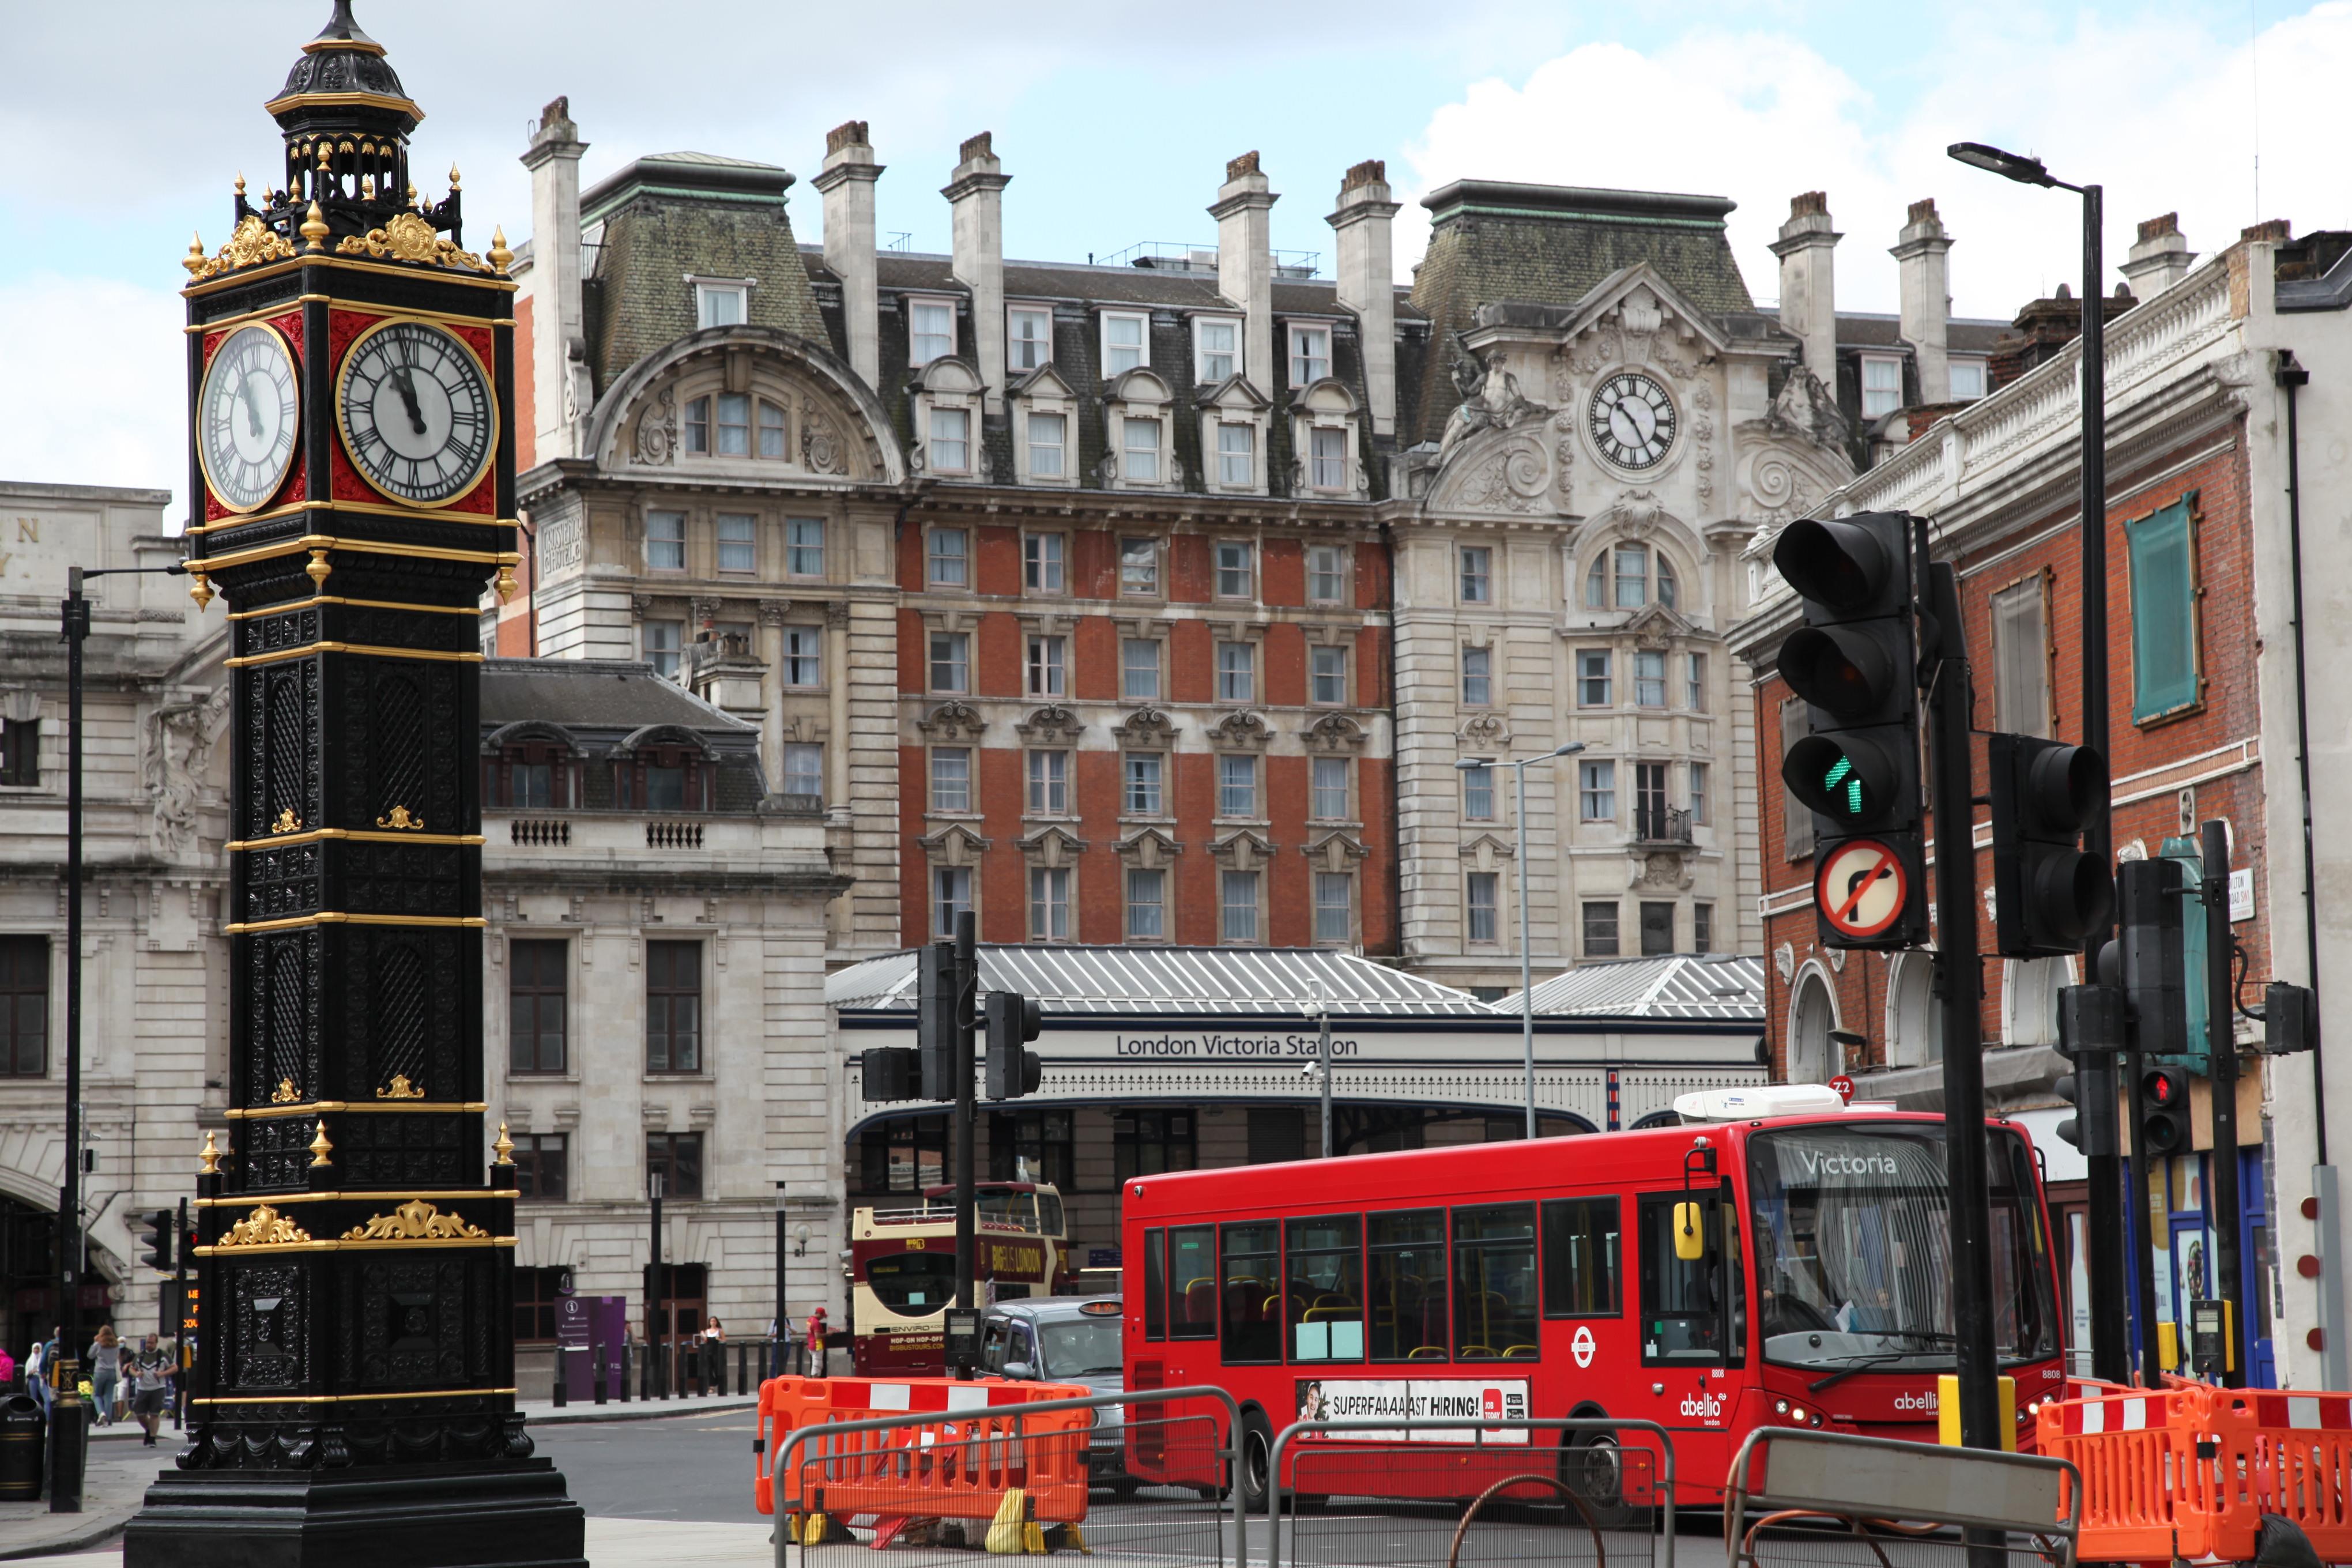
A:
(35, 1385)
(149, 1368)
(105, 1372)
(714, 1358)
(817, 1346)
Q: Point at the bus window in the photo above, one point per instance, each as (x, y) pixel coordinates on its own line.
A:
(1580, 1259)
(1192, 1282)
(913, 1284)
(1155, 1284)
(1049, 1214)
(1408, 1284)
(1324, 1297)
(1494, 1282)
(1253, 1298)
(1680, 1322)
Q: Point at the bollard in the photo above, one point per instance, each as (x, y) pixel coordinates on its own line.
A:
(742, 1365)
(598, 1380)
(562, 1394)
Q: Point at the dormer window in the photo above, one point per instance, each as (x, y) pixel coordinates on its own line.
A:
(1882, 385)
(1236, 454)
(930, 331)
(1328, 460)
(1310, 356)
(1048, 438)
(530, 775)
(1216, 349)
(721, 301)
(659, 778)
(1028, 337)
(949, 450)
(1122, 341)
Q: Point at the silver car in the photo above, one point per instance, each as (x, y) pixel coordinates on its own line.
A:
(1066, 1339)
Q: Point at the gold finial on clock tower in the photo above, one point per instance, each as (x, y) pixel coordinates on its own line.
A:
(314, 228)
(201, 591)
(453, 176)
(319, 571)
(504, 1146)
(240, 181)
(412, 193)
(194, 260)
(210, 1154)
(499, 254)
(319, 1147)
(506, 583)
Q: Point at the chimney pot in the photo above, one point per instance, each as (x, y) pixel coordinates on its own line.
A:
(848, 133)
(2277, 228)
(553, 286)
(2157, 227)
(975, 148)
(1362, 226)
(1809, 203)
(2160, 259)
(1243, 211)
(1244, 165)
(1370, 172)
(1807, 249)
(975, 195)
(847, 183)
(1923, 280)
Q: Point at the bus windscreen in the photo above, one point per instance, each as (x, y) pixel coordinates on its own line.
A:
(1852, 1234)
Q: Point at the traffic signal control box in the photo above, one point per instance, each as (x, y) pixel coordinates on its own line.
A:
(1856, 664)
(890, 1072)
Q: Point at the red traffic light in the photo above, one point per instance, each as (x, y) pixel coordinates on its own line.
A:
(2163, 1087)
(1841, 565)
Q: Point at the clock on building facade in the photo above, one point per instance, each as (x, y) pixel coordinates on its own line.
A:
(351, 374)
(1631, 418)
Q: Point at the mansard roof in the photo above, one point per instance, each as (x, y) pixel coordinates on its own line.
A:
(621, 695)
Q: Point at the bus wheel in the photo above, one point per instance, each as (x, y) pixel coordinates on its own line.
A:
(1256, 1461)
(1594, 1469)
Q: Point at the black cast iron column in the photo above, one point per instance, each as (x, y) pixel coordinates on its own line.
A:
(356, 1353)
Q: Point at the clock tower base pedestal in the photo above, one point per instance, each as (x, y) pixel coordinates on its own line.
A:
(515, 1514)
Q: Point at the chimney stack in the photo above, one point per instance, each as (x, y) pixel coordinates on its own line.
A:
(553, 283)
(2160, 257)
(1367, 281)
(1809, 282)
(1243, 212)
(847, 183)
(976, 192)
(1923, 282)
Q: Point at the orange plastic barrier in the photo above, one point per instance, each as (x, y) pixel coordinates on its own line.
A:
(961, 1448)
(2189, 1471)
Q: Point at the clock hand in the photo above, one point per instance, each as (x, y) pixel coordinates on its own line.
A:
(252, 406)
(401, 378)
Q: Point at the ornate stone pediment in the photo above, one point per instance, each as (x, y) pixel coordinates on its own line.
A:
(1662, 870)
(1334, 732)
(1052, 845)
(1333, 851)
(1486, 848)
(1235, 730)
(1149, 848)
(1243, 849)
(952, 721)
(955, 845)
(1483, 732)
(1655, 626)
(1504, 470)
(1051, 722)
(1782, 475)
(1145, 727)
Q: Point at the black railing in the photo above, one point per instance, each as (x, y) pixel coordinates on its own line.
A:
(541, 832)
(1661, 825)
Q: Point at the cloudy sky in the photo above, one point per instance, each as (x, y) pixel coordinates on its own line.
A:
(126, 124)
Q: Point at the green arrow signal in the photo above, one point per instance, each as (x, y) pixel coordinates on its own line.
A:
(1841, 773)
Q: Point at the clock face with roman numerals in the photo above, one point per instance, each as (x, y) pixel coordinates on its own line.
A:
(1631, 420)
(247, 415)
(416, 412)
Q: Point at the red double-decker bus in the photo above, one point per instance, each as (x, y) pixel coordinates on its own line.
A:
(1546, 1279)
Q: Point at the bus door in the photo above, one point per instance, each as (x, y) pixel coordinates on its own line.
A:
(1692, 1329)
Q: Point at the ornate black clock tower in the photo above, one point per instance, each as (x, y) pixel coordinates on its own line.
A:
(350, 388)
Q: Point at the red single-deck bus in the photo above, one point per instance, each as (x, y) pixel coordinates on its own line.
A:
(1545, 1279)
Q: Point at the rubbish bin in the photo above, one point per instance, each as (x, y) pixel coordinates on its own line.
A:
(22, 1431)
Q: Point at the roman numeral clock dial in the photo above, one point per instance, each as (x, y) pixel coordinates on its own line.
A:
(1631, 420)
(415, 407)
(246, 416)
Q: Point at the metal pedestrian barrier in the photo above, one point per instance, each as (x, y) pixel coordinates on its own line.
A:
(1404, 1493)
(942, 1467)
(1831, 1498)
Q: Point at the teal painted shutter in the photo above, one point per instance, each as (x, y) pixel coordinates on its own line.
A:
(2192, 947)
(2162, 547)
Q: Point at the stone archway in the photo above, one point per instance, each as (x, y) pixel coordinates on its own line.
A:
(1811, 1016)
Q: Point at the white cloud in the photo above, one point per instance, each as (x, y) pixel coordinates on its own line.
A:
(2163, 112)
(97, 392)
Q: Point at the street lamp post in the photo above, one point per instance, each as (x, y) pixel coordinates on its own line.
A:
(1527, 956)
(69, 1426)
(782, 1330)
(656, 1298)
(2111, 1357)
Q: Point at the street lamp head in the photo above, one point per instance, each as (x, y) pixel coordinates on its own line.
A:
(1465, 765)
(1570, 749)
(2008, 165)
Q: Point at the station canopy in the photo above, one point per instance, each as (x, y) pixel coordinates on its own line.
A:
(1174, 979)
(1716, 985)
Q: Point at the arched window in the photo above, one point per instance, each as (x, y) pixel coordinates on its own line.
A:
(1915, 1018)
(1620, 579)
(529, 775)
(659, 778)
(1810, 1023)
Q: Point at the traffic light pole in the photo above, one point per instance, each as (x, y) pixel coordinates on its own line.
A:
(2221, 1041)
(1959, 982)
(967, 1192)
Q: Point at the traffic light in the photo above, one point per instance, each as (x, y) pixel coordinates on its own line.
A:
(889, 1073)
(2090, 1028)
(156, 1240)
(2290, 1019)
(2048, 894)
(938, 1015)
(2164, 1110)
(2152, 961)
(1856, 661)
(1014, 1021)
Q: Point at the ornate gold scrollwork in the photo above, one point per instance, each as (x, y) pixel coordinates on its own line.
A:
(408, 237)
(415, 1220)
(400, 1089)
(265, 1227)
(287, 822)
(253, 242)
(402, 820)
(284, 1093)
